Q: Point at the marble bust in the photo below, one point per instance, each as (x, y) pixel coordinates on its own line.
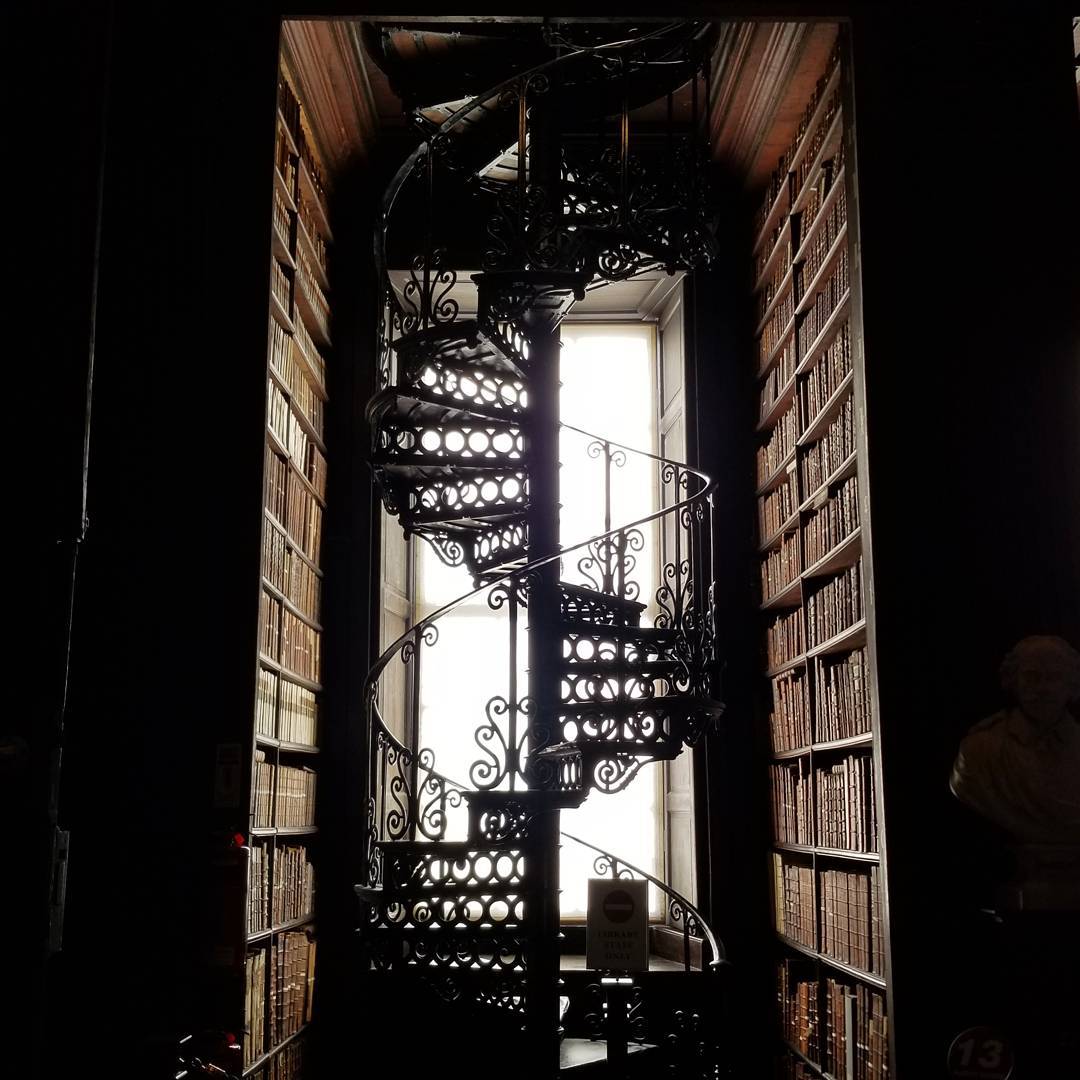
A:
(1020, 768)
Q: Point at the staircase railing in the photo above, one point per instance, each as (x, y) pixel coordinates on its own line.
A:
(408, 798)
(680, 911)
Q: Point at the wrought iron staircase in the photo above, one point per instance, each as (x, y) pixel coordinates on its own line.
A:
(460, 893)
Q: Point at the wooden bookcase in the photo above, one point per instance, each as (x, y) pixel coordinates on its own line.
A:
(267, 955)
(827, 858)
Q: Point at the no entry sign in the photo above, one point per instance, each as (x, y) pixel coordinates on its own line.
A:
(617, 925)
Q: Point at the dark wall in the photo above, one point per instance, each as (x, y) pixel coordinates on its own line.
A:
(968, 159)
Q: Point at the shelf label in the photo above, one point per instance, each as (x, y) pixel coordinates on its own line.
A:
(980, 1053)
(617, 925)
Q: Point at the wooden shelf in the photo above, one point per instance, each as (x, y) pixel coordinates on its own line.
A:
(815, 226)
(789, 665)
(293, 546)
(819, 425)
(840, 557)
(847, 468)
(850, 638)
(281, 248)
(784, 234)
(790, 525)
(258, 1063)
(289, 138)
(281, 314)
(787, 755)
(790, 596)
(813, 954)
(843, 853)
(312, 256)
(314, 196)
(274, 665)
(781, 471)
(283, 928)
(825, 153)
(301, 416)
(781, 341)
(295, 830)
(282, 187)
(866, 739)
(778, 407)
(279, 595)
(806, 1061)
(780, 200)
(832, 324)
(313, 375)
(823, 271)
(781, 292)
(313, 320)
(796, 849)
(288, 747)
(815, 119)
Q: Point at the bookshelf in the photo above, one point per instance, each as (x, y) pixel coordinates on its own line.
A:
(267, 1001)
(827, 862)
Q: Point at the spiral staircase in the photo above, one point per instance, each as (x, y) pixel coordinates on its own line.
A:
(460, 905)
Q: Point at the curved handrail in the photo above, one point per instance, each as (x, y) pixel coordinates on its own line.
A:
(709, 486)
(719, 953)
(399, 179)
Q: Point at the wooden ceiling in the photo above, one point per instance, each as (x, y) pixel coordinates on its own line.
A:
(762, 74)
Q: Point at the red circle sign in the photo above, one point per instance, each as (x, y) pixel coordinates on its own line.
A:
(618, 906)
(980, 1053)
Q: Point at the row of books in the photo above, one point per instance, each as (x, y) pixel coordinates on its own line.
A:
(289, 573)
(775, 510)
(797, 1005)
(289, 106)
(283, 796)
(793, 894)
(855, 1014)
(792, 797)
(311, 223)
(287, 1064)
(293, 437)
(842, 693)
(282, 218)
(826, 301)
(293, 503)
(773, 331)
(280, 285)
(823, 458)
(784, 310)
(822, 379)
(784, 639)
(836, 605)
(301, 647)
(777, 377)
(258, 912)
(285, 360)
(316, 360)
(789, 720)
(284, 160)
(292, 956)
(823, 182)
(286, 710)
(256, 1037)
(830, 525)
(818, 248)
(850, 921)
(845, 814)
(780, 566)
(817, 139)
(286, 895)
(311, 164)
(771, 288)
(780, 445)
(269, 625)
(312, 289)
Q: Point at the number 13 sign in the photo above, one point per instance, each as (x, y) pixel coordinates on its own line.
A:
(980, 1053)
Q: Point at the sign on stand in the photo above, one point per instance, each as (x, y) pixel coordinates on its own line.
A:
(617, 925)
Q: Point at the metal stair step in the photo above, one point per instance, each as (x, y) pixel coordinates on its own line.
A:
(408, 404)
(465, 342)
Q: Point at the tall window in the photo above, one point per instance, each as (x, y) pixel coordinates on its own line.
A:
(609, 378)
